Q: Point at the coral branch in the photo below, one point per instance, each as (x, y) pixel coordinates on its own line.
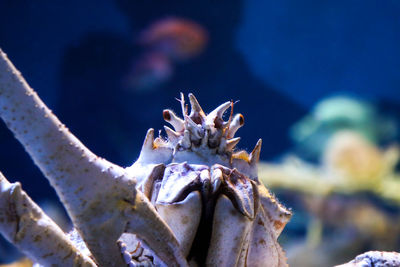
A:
(23, 223)
(295, 174)
(100, 197)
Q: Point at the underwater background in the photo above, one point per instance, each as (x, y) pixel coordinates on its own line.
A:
(318, 81)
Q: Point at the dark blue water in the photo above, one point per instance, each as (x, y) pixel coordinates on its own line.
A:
(277, 57)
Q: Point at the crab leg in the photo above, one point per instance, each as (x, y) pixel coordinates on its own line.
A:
(100, 197)
(374, 258)
(28, 227)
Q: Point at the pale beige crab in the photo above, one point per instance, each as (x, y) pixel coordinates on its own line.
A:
(189, 199)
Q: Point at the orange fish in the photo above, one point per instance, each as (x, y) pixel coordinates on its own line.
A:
(178, 38)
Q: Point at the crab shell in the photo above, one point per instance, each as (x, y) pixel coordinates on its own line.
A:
(208, 194)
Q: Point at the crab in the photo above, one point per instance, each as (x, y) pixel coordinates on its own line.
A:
(190, 199)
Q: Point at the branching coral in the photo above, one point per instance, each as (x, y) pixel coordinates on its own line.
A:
(349, 194)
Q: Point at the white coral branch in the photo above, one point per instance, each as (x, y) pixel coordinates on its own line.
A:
(23, 223)
(99, 196)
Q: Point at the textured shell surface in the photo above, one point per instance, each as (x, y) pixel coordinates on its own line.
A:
(191, 199)
(207, 192)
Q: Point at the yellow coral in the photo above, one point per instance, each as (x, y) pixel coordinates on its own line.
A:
(352, 157)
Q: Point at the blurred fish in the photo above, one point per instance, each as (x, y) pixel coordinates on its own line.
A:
(149, 72)
(179, 39)
(165, 42)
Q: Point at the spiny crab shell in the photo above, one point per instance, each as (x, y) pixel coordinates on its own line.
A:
(189, 199)
(207, 193)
